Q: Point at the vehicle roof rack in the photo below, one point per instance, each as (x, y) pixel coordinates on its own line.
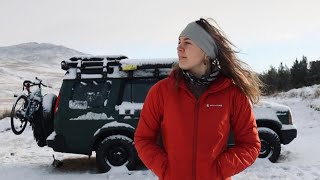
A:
(89, 61)
(98, 58)
(112, 66)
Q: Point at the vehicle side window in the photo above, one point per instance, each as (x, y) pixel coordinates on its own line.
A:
(140, 91)
(90, 94)
(127, 92)
(137, 90)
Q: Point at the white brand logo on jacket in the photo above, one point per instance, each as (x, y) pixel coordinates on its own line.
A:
(214, 105)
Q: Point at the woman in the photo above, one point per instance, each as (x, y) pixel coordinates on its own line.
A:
(206, 96)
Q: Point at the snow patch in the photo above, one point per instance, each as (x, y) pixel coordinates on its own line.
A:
(139, 62)
(150, 72)
(307, 92)
(51, 136)
(288, 127)
(117, 124)
(71, 74)
(91, 76)
(74, 104)
(274, 106)
(113, 124)
(143, 73)
(93, 116)
(83, 83)
(128, 106)
(47, 102)
(118, 137)
(265, 113)
(104, 57)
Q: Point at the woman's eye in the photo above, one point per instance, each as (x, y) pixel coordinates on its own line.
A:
(184, 42)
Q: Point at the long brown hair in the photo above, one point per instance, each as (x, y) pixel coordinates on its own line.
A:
(230, 65)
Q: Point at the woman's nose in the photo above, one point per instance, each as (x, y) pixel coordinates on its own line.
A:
(180, 48)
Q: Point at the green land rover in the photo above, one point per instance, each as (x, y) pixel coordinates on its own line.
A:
(99, 104)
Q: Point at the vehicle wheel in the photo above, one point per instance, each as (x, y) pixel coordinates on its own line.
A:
(270, 144)
(18, 120)
(47, 113)
(116, 150)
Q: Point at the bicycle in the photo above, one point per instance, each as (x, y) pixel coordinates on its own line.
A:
(26, 106)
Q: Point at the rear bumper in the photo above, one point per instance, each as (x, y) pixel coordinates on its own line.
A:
(288, 133)
(56, 142)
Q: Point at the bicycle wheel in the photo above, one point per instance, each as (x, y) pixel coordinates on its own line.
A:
(18, 120)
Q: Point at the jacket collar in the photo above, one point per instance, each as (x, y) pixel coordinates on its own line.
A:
(221, 83)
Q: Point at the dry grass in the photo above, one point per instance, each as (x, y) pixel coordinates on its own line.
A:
(4, 113)
(292, 94)
(315, 107)
(317, 93)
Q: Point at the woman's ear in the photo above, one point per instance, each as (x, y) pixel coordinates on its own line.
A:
(206, 60)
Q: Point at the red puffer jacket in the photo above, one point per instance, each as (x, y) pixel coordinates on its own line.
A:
(195, 132)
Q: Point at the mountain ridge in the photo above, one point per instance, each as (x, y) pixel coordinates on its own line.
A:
(29, 60)
(34, 51)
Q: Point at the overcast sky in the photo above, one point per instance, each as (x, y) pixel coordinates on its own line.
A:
(265, 32)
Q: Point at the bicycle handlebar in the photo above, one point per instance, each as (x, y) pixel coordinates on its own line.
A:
(40, 82)
(27, 84)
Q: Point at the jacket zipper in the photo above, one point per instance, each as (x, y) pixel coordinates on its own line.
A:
(195, 128)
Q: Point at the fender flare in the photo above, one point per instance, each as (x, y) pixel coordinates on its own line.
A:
(271, 124)
(102, 133)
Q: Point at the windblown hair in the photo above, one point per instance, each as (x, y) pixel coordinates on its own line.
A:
(232, 67)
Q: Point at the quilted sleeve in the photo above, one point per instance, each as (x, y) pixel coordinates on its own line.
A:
(147, 132)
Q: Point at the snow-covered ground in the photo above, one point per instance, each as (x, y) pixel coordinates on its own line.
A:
(20, 157)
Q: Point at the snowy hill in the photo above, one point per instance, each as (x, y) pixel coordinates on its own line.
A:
(36, 52)
(21, 157)
(309, 94)
(28, 60)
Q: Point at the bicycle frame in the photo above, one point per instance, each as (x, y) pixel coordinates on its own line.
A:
(34, 102)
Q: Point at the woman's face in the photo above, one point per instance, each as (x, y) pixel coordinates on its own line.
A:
(191, 57)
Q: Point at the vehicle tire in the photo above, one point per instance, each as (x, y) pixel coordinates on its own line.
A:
(38, 130)
(48, 103)
(17, 115)
(42, 124)
(270, 144)
(116, 150)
